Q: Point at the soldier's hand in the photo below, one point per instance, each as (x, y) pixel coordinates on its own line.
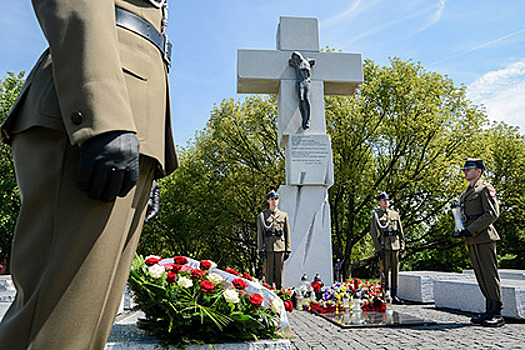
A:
(287, 255)
(262, 255)
(109, 165)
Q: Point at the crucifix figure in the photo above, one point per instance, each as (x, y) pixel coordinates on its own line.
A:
(302, 132)
(303, 71)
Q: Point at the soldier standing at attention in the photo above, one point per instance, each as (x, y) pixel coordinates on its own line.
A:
(273, 240)
(389, 241)
(89, 132)
(481, 209)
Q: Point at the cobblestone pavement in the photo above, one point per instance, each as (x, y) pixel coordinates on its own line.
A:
(452, 331)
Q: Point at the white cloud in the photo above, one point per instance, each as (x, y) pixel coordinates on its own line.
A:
(502, 92)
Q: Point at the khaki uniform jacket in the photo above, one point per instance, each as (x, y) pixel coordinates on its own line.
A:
(274, 243)
(481, 209)
(393, 221)
(96, 77)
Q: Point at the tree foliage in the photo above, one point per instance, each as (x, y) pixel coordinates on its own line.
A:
(9, 197)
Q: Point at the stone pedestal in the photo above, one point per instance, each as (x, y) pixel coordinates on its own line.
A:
(309, 213)
(418, 286)
(465, 295)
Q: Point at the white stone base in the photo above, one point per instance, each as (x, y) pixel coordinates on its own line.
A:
(418, 286)
(465, 295)
(309, 213)
(282, 344)
(505, 274)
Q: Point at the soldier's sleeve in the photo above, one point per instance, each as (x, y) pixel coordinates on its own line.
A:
(401, 232)
(288, 242)
(373, 233)
(490, 211)
(87, 71)
(260, 234)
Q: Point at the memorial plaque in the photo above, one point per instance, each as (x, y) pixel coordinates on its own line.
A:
(309, 160)
(373, 319)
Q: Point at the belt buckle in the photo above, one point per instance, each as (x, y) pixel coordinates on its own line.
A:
(167, 51)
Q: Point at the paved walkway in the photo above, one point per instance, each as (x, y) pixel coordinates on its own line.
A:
(453, 331)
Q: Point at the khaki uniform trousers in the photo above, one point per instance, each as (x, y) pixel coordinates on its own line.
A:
(273, 268)
(71, 255)
(485, 263)
(391, 262)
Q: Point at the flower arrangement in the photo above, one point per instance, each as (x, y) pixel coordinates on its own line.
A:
(333, 297)
(192, 302)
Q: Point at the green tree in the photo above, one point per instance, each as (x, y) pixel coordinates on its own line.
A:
(9, 203)
(209, 205)
(405, 132)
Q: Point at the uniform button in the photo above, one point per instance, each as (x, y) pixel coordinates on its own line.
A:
(77, 118)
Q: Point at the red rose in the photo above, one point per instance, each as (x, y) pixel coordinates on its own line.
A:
(207, 286)
(266, 286)
(205, 264)
(255, 299)
(180, 260)
(172, 267)
(152, 260)
(232, 271)
(246, 276)
(197, 274)
(171, 277)
(288, 305)
(239, 283)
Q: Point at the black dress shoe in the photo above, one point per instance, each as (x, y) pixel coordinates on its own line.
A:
(494, 321)
(397, 301)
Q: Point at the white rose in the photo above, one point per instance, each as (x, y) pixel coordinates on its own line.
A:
(277, 305)
(214, 278)
(156, 271)
(231, 296)
(185, 282)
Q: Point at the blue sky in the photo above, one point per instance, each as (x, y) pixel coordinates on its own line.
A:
(480, 44)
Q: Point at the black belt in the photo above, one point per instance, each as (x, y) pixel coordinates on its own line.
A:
(388, 233)
(134, 23)
(473, 217)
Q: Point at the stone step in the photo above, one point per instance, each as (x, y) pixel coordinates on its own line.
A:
(127, 336)
(465, 295)
(505, 274)
(418, 286)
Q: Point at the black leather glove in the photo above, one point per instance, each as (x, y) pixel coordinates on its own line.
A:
(380, 254)
(109, 165)
(262, 255)
(287, 255)
(154, 202)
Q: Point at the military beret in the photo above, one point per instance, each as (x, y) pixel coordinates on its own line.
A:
(272, 194)
(474, 163)
(382, 196)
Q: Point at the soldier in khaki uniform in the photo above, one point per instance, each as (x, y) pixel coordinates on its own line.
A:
(481, 209)
(273, 240)
(89, 132)
(389, 241)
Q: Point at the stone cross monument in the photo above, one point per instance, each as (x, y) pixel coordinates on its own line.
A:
(308, 152)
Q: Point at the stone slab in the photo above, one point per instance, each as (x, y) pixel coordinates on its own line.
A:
(6, 284)
(465, 295)
(418, 286)
(309, 213)
(505, 274)
(125, 335)
(261, 71)
(308, 161)
(368, 319)
(289, 116)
